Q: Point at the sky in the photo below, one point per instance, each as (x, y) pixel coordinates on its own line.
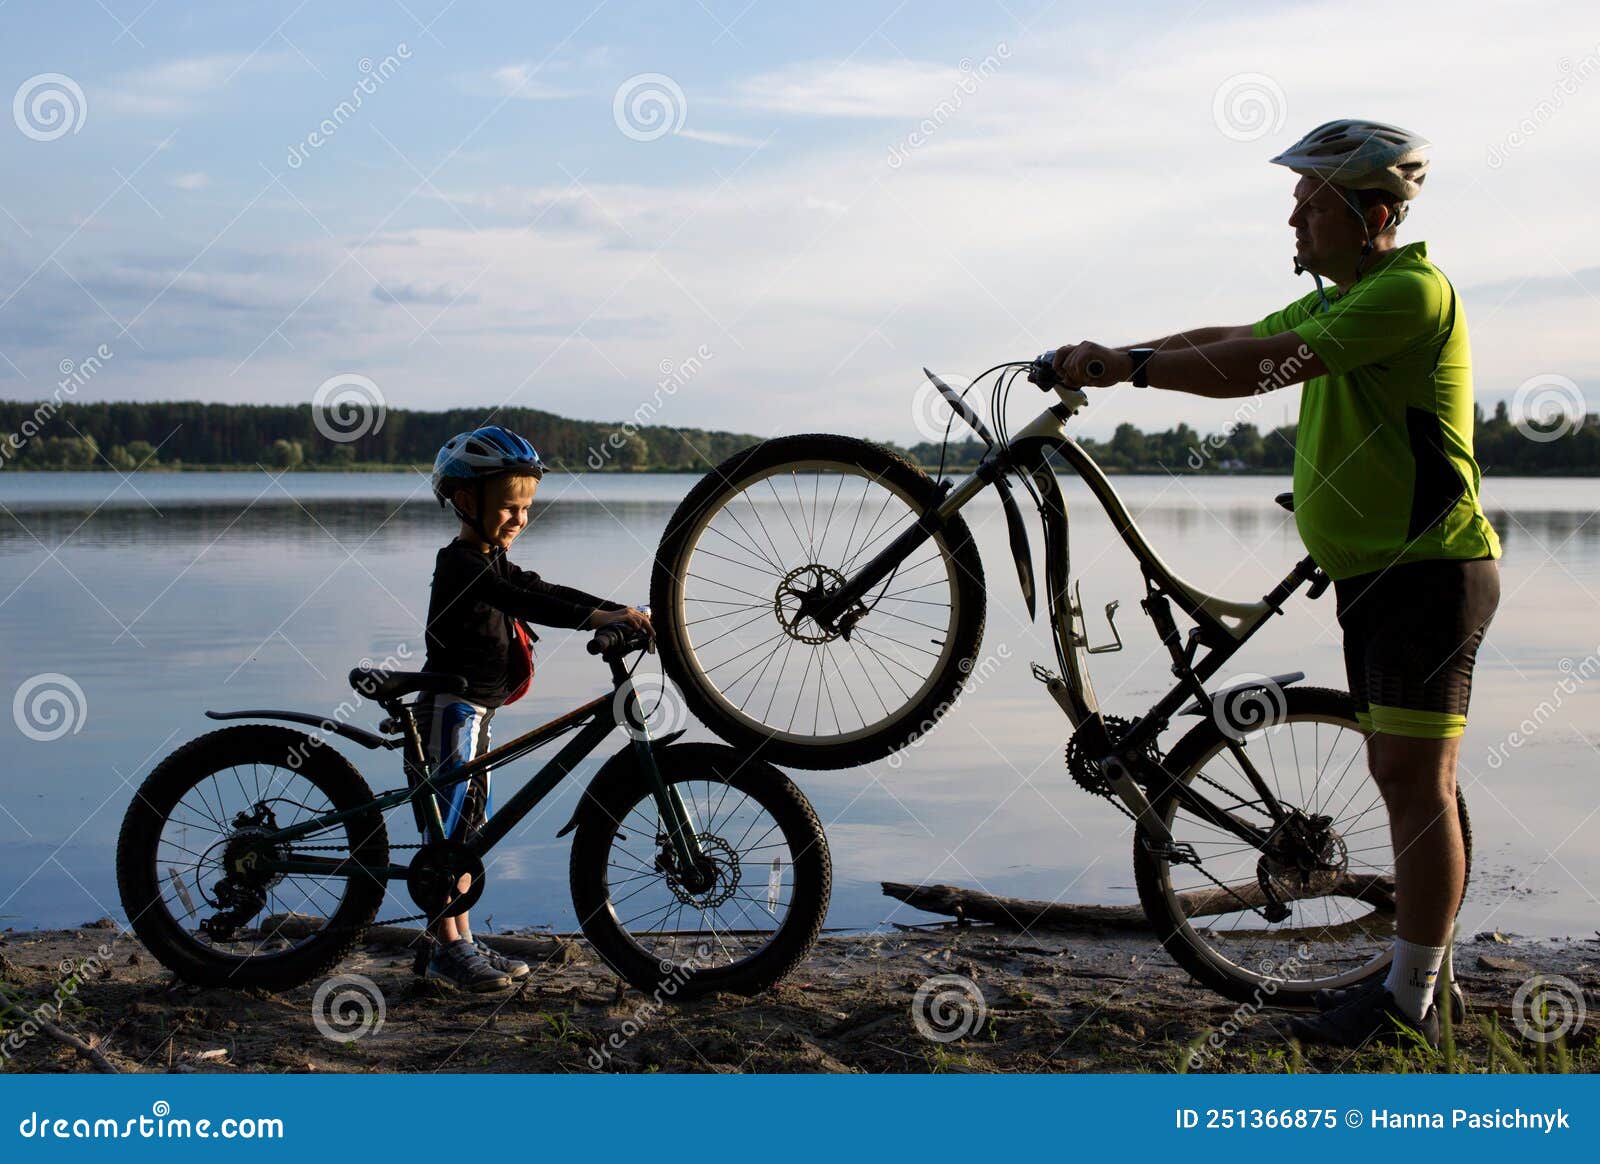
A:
(780, 212)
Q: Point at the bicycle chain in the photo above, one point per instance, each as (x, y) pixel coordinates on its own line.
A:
(1204, 872)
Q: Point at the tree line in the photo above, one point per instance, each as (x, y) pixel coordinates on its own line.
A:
(129, 436)
(192, 434)
(1566, 446)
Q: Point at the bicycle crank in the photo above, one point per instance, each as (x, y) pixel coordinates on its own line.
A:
(435, 873)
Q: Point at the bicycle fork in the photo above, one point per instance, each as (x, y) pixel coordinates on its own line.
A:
(681, 835)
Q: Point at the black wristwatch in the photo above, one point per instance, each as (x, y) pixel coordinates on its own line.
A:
(1141, 358)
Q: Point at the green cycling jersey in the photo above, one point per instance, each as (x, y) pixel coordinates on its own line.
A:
(1383, 469)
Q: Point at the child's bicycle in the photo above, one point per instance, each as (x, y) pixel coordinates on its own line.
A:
(695, 866)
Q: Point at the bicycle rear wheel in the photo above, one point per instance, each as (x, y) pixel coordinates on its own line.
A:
(186, 869)
(1212, 917)
(793, 517)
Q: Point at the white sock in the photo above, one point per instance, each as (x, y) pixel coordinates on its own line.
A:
(1412, 976)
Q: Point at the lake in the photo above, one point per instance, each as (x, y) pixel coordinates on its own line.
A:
(167, 594)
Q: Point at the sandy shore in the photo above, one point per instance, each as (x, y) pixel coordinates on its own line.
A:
(1051, 1002)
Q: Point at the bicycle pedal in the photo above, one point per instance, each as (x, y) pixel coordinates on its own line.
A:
(1044, 675)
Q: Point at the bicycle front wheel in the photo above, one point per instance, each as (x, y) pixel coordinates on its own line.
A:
(1211, 901)
(742, 928)
(792, 518)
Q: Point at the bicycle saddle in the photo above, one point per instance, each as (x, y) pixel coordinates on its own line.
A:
(383, 686)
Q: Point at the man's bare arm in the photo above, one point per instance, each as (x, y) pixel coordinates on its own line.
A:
(1235, 367)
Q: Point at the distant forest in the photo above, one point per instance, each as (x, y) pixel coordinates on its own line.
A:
(193, 435)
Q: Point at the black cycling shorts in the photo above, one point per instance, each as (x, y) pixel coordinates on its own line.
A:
(1411, 636)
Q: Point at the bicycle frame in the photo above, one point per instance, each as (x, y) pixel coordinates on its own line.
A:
(1222, 627)
(593, 722)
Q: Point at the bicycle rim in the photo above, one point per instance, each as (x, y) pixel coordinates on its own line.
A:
(195, 842)
(695, 929)
(794, 527)
(1338, 931)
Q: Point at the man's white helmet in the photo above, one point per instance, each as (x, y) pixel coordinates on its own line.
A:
(1361, 155)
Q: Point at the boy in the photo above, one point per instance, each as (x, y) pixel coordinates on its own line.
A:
(475, 629)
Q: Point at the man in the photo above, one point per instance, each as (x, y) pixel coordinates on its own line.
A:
(1386, 501)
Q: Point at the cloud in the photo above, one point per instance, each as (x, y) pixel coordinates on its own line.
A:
(194, 181)
(519, 81)
(443, 294)
(714, 137)
(863, 89)
(183, 85)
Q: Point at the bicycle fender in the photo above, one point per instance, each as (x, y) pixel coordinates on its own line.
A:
(356, 735)
(1021, 551)
(624, 757)
(1227, 696)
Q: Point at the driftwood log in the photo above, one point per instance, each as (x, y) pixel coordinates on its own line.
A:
(556, 950)
(975, 905)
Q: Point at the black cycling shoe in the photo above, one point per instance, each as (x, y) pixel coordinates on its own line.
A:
(1368, 1016)
(1326, 1000)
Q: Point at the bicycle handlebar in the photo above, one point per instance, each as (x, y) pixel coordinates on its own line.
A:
(1043, 373)
(617, 639)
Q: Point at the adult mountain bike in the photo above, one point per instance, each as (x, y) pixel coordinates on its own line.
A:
(820, 602)
(257, 855)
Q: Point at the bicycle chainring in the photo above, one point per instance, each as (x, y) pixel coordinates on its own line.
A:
(434, 873)
(1081, 766)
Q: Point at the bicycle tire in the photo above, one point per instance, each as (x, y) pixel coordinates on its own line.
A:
(138, 847)
(963, 569)
(607, 804)
(1182, 941)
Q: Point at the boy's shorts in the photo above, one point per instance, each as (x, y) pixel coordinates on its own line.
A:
(453, 732)
(1411, 636)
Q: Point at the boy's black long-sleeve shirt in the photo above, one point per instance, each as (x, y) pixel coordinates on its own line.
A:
(474, 599)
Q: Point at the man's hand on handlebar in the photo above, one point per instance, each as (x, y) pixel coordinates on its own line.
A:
(1089, 365)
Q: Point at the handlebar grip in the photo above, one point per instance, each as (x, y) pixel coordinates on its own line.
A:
(607, 638)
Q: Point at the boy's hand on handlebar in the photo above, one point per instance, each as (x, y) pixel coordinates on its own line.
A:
(1089, 365)
(630, 617)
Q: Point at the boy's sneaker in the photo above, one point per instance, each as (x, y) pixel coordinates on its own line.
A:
(1326, 1000)
(460, 964)
(1368, 1016)
(514, 968)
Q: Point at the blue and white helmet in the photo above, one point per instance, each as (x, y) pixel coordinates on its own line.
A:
(480, 454)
